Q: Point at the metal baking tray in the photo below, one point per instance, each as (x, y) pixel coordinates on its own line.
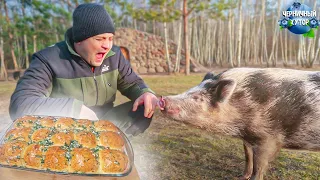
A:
(127, 150)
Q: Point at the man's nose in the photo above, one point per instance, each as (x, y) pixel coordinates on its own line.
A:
(107, 45)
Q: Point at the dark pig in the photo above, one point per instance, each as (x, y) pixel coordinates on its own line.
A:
(268, 109)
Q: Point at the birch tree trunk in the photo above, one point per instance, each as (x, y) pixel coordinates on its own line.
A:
(214, 48)
(298, 54)
(201, 35)
(11, 41)
(154, 27)
(207, 42)
(26, 50)
(248, 38)
(135, 24)
(257, 28)
(282, 50)
(166, 43)
(194, 39)
(275, 36)
(185, 27)
(317, 52)
(264, 52)
(239, 33)
(290, 42)
(34, 43)
(3, 70)
(19, 52)
(303, 52)
(311, 45)
(177, 66)
(230, 38)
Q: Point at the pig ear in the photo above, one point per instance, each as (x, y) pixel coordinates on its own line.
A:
(225, 89)
(209, 75)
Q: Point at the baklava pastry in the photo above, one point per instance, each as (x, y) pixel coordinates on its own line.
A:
(104, 125)
(56, 159)
(111, 140)
(83, 161)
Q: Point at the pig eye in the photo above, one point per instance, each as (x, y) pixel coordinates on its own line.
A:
(196, 97)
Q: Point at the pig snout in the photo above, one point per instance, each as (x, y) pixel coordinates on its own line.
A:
(168, 107)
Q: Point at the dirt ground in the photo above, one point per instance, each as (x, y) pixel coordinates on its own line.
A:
(6, 89)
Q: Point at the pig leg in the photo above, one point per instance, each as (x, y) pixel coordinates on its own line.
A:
(264, 153)
(249, 161)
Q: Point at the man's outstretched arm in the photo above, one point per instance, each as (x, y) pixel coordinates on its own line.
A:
(31, 96)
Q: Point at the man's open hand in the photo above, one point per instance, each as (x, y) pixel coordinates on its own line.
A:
(150, 102)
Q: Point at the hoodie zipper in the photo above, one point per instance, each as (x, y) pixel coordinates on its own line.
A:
(94, 77)
(95, 81)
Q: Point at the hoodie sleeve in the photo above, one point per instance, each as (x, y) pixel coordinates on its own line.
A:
(129, 83)
(31, 96)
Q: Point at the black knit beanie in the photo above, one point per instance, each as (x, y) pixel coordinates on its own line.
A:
(89, 20)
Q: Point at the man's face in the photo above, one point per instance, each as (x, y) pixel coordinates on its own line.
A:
(94, 49)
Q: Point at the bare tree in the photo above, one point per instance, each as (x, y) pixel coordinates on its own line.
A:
(34, 43)
(178, 53)
(230, 17)
(185, 30)
(3, 70)
(317, 52)
(247, 37)
(26, 50)
(11, 41)
(257, 28)
(166, 41)
(275, 36)
(239, 32)
(264, 50)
